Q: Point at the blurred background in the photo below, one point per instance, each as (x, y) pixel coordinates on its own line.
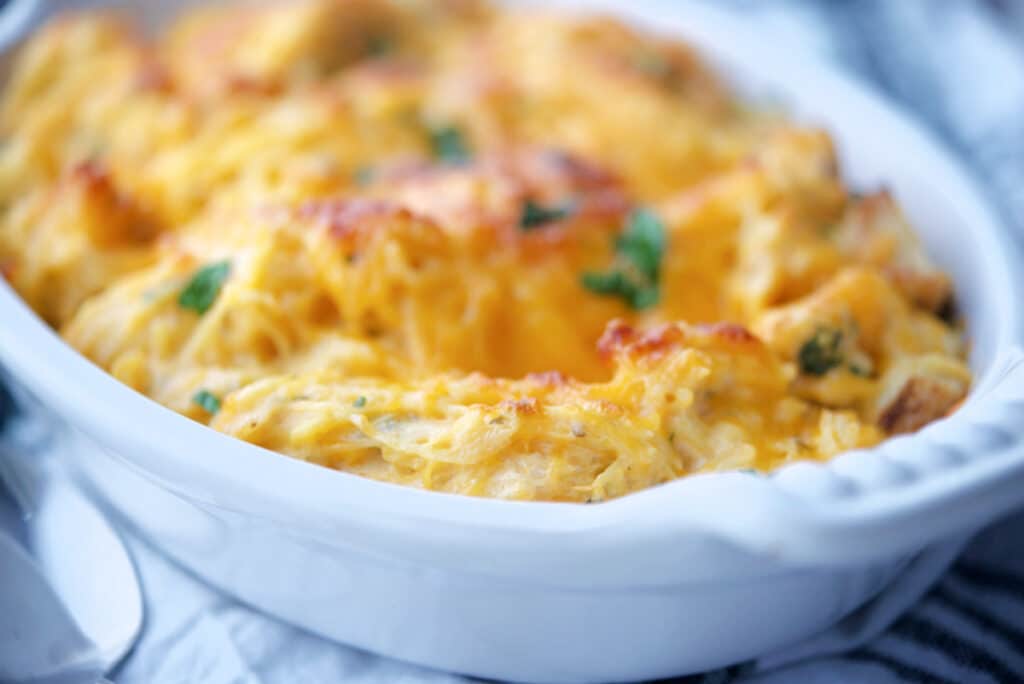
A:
(957, 64)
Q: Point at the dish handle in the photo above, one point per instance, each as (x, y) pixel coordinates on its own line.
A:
(951, 477)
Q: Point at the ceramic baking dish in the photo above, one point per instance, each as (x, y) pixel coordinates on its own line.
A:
(698, 573)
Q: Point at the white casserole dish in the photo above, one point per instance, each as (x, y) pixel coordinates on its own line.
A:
(695, 574)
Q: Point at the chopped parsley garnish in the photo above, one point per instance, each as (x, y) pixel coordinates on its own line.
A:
(449, 145)
(619, 284)
(207, 400)
(536, 215)
(639, 249)
(608, 283)
(360, 402)
(201, 291)
(643, 243)
(645, 298)
(821, 353)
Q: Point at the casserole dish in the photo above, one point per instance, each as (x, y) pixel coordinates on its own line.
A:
(684, 577)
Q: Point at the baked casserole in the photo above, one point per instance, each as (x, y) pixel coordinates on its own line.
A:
(498, 253)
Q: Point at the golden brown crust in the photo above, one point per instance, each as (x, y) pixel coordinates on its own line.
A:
(345, 219)
(921, 401)
(486, 195)
(551, 378)
(124, 221)
(623, 340)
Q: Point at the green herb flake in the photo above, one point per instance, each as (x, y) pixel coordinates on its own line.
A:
(206, 400)
(201, 291)
(535, 215)
(821, 352)
(360, 402)
(619, 284)
(640, 249)
(449, 145)
(609, 283)
(645, 298)
(643, 243)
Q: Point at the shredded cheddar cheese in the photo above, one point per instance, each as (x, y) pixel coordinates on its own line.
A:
(497, 253)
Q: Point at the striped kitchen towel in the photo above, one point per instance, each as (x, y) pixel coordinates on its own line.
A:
(968, 628)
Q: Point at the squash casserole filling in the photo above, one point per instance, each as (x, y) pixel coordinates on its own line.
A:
(497, 253)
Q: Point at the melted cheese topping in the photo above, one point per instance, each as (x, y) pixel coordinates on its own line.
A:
(382, 236)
